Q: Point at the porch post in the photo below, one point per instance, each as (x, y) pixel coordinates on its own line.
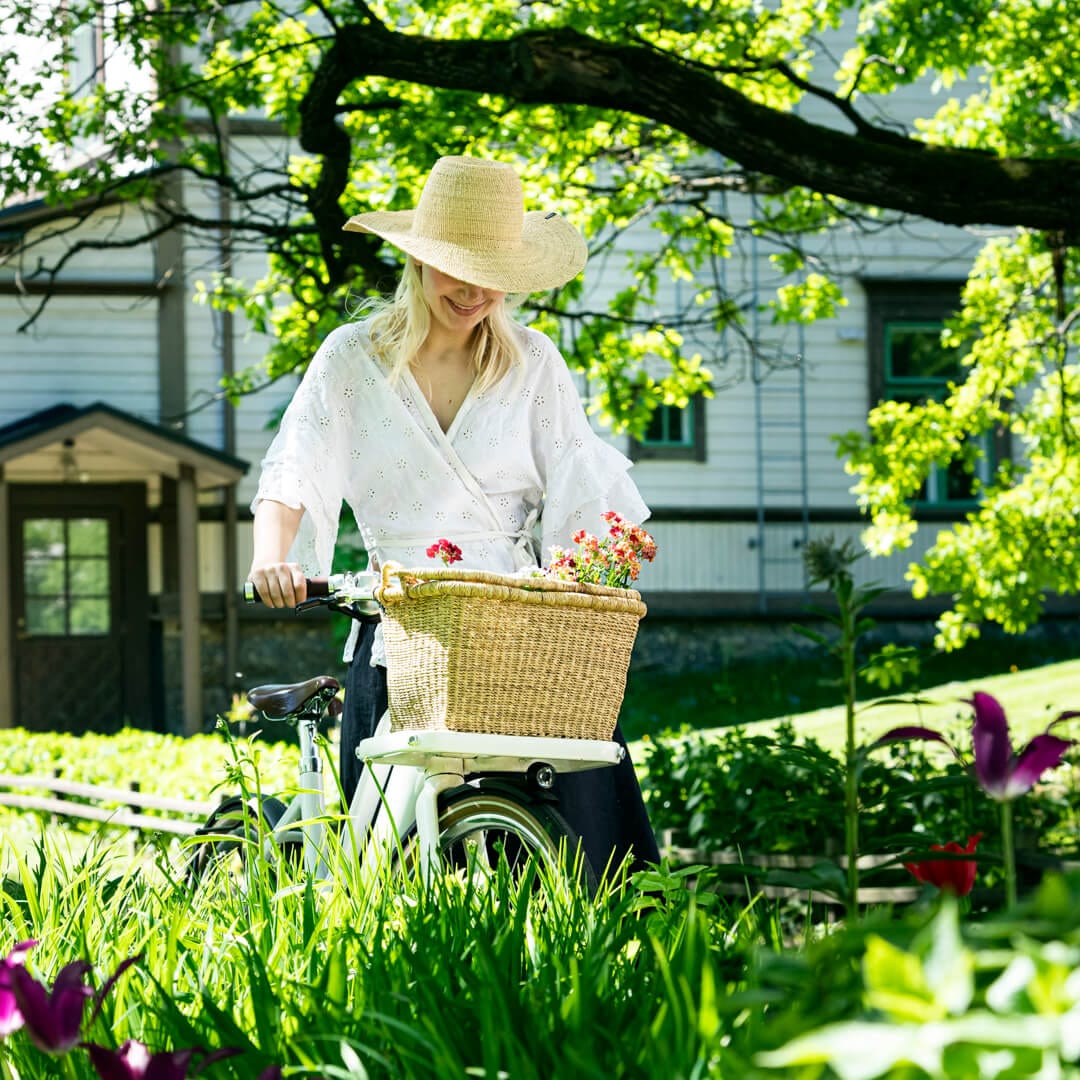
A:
(187, 536)
(7, 643)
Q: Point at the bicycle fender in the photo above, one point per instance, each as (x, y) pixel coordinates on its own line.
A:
(500, 783)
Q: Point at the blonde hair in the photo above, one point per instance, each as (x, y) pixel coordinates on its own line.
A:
(400, 325)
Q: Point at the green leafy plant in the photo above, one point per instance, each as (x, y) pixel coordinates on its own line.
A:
(830, 564)
(933, 998)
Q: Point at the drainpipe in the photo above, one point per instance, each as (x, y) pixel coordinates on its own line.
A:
(228, 367)
(7, 615)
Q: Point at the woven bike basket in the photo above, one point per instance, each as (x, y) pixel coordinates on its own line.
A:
(468, 650)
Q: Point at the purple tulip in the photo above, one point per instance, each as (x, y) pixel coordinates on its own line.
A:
(1002, 773)
(11, 1019)
(53, 1018)
(133, 1061)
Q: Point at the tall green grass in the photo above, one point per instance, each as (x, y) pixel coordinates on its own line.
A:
(470, 977)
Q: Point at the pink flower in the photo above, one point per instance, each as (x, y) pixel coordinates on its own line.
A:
(52, 1018)
(443, 549)
(1002, 771)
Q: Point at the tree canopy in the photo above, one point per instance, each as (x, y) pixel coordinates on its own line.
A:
(626, 114)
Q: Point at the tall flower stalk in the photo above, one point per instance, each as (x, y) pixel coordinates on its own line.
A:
(829, 563)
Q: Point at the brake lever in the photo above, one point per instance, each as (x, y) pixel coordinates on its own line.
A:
(313, 601)
(352, 609)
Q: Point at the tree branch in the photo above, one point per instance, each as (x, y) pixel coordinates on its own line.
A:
(563, 66)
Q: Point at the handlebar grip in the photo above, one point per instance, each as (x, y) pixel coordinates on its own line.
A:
(316, 587)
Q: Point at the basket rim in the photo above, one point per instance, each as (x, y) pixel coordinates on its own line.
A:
(540, 584)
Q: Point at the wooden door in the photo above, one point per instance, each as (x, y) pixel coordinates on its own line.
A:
(81, 608)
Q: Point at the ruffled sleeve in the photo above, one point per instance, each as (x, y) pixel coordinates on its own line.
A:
(305, 465)
(583, 475)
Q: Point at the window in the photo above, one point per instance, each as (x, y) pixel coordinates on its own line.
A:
(87, 45)
(909, 363)
(66, 576)
(673, 434)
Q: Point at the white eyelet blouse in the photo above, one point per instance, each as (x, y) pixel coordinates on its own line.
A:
(519, 462)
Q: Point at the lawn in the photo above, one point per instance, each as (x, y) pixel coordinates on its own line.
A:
(1031, 698)
(1032, 675)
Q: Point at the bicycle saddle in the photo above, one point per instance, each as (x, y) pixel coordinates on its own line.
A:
(278, 701)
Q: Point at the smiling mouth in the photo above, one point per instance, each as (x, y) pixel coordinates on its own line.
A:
(458, 309)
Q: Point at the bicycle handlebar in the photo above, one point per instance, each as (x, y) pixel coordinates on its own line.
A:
(316, 587)
(350, 588)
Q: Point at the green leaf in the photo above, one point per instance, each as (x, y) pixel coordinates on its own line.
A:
(949, 966)
(896, 984)
(858, 1050)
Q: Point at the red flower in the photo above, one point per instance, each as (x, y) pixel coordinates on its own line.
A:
(443, 549)
(955, 875)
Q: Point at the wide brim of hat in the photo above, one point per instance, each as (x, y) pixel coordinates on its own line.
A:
(550, 254)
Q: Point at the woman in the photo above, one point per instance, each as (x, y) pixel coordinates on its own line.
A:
(435, 416)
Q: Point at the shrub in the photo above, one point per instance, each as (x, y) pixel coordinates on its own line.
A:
(784, 794)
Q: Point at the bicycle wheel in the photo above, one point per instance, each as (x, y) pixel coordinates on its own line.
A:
(482, 829)
(229, 836)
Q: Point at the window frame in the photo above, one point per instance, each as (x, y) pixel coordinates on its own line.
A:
(690, 449)
(925, 304)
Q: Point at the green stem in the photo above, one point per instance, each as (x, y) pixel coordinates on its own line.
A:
(851, 795)
(1008, 852)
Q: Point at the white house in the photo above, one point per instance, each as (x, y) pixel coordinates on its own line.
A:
(125, 485)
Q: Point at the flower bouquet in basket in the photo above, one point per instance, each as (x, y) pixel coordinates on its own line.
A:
(546, 655)
(614, 561)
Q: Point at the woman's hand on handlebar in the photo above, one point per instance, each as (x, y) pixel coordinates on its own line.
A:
(279, 584)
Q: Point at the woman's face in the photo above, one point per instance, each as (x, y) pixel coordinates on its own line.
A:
(455, 305)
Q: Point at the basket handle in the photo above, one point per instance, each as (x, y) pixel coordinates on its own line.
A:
(389, 570)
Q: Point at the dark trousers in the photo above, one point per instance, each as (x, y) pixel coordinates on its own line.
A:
(603, 806)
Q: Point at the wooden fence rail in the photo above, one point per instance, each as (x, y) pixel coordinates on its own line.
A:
(896, 894)
(128, 815)
(758, 866)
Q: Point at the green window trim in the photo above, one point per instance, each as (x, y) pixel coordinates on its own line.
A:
(918, 368)
(674, 434)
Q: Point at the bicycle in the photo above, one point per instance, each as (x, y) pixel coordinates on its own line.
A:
(458, 799)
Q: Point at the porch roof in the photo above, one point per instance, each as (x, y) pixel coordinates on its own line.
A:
(100, 443)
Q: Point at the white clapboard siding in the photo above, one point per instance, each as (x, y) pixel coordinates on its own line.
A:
(86, 349)
(205, 326)
(114, 223)
(722, 557)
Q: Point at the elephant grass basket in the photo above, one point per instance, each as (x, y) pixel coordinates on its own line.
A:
(468, 650)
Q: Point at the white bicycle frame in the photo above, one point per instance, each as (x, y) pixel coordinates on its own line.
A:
(405, 773)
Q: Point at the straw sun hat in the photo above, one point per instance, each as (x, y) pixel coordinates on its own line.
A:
(471, 223)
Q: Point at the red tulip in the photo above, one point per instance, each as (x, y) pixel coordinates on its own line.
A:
(950, 875)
